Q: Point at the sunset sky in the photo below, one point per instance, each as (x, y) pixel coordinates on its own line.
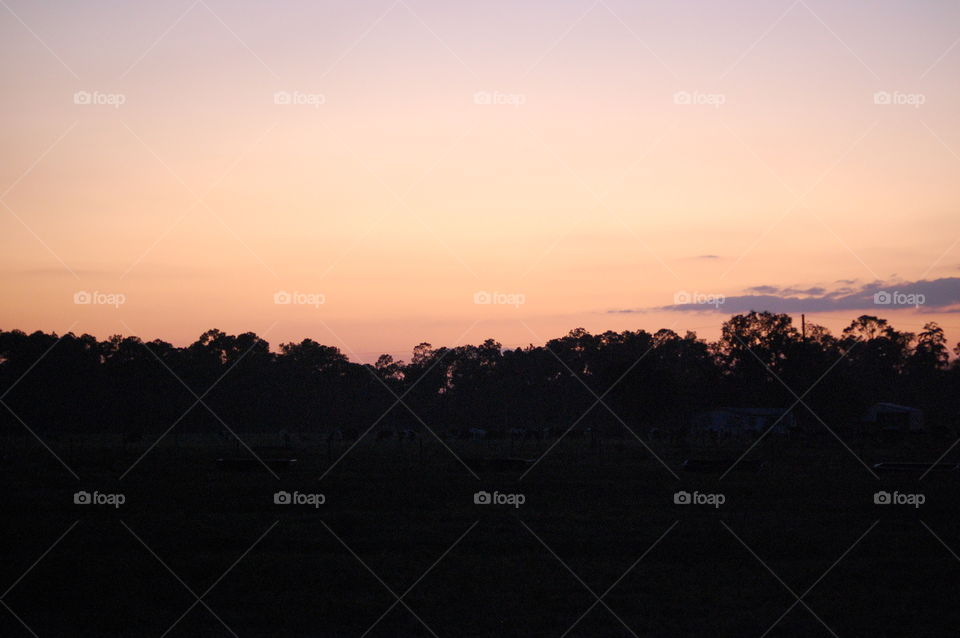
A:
(606, 164)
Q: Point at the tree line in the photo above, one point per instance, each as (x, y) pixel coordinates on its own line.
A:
(76, 384)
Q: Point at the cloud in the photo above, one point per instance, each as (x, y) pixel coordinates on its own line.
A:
(763, 290)
(925, 296)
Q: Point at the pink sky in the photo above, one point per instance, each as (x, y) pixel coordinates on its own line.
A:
(393, 159)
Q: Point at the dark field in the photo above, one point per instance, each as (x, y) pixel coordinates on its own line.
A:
(401, 508)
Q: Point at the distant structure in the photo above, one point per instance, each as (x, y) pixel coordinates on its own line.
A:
(739, 421)
(890, 417)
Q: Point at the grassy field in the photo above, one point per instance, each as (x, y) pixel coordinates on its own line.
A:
(401, 516)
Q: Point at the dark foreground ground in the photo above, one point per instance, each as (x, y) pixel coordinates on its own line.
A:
(400, 521)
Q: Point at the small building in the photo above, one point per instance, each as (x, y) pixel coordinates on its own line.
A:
(733, 421)
(890, 417)
(478, 434)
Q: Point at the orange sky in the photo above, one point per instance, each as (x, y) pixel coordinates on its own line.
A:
(576, 159)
